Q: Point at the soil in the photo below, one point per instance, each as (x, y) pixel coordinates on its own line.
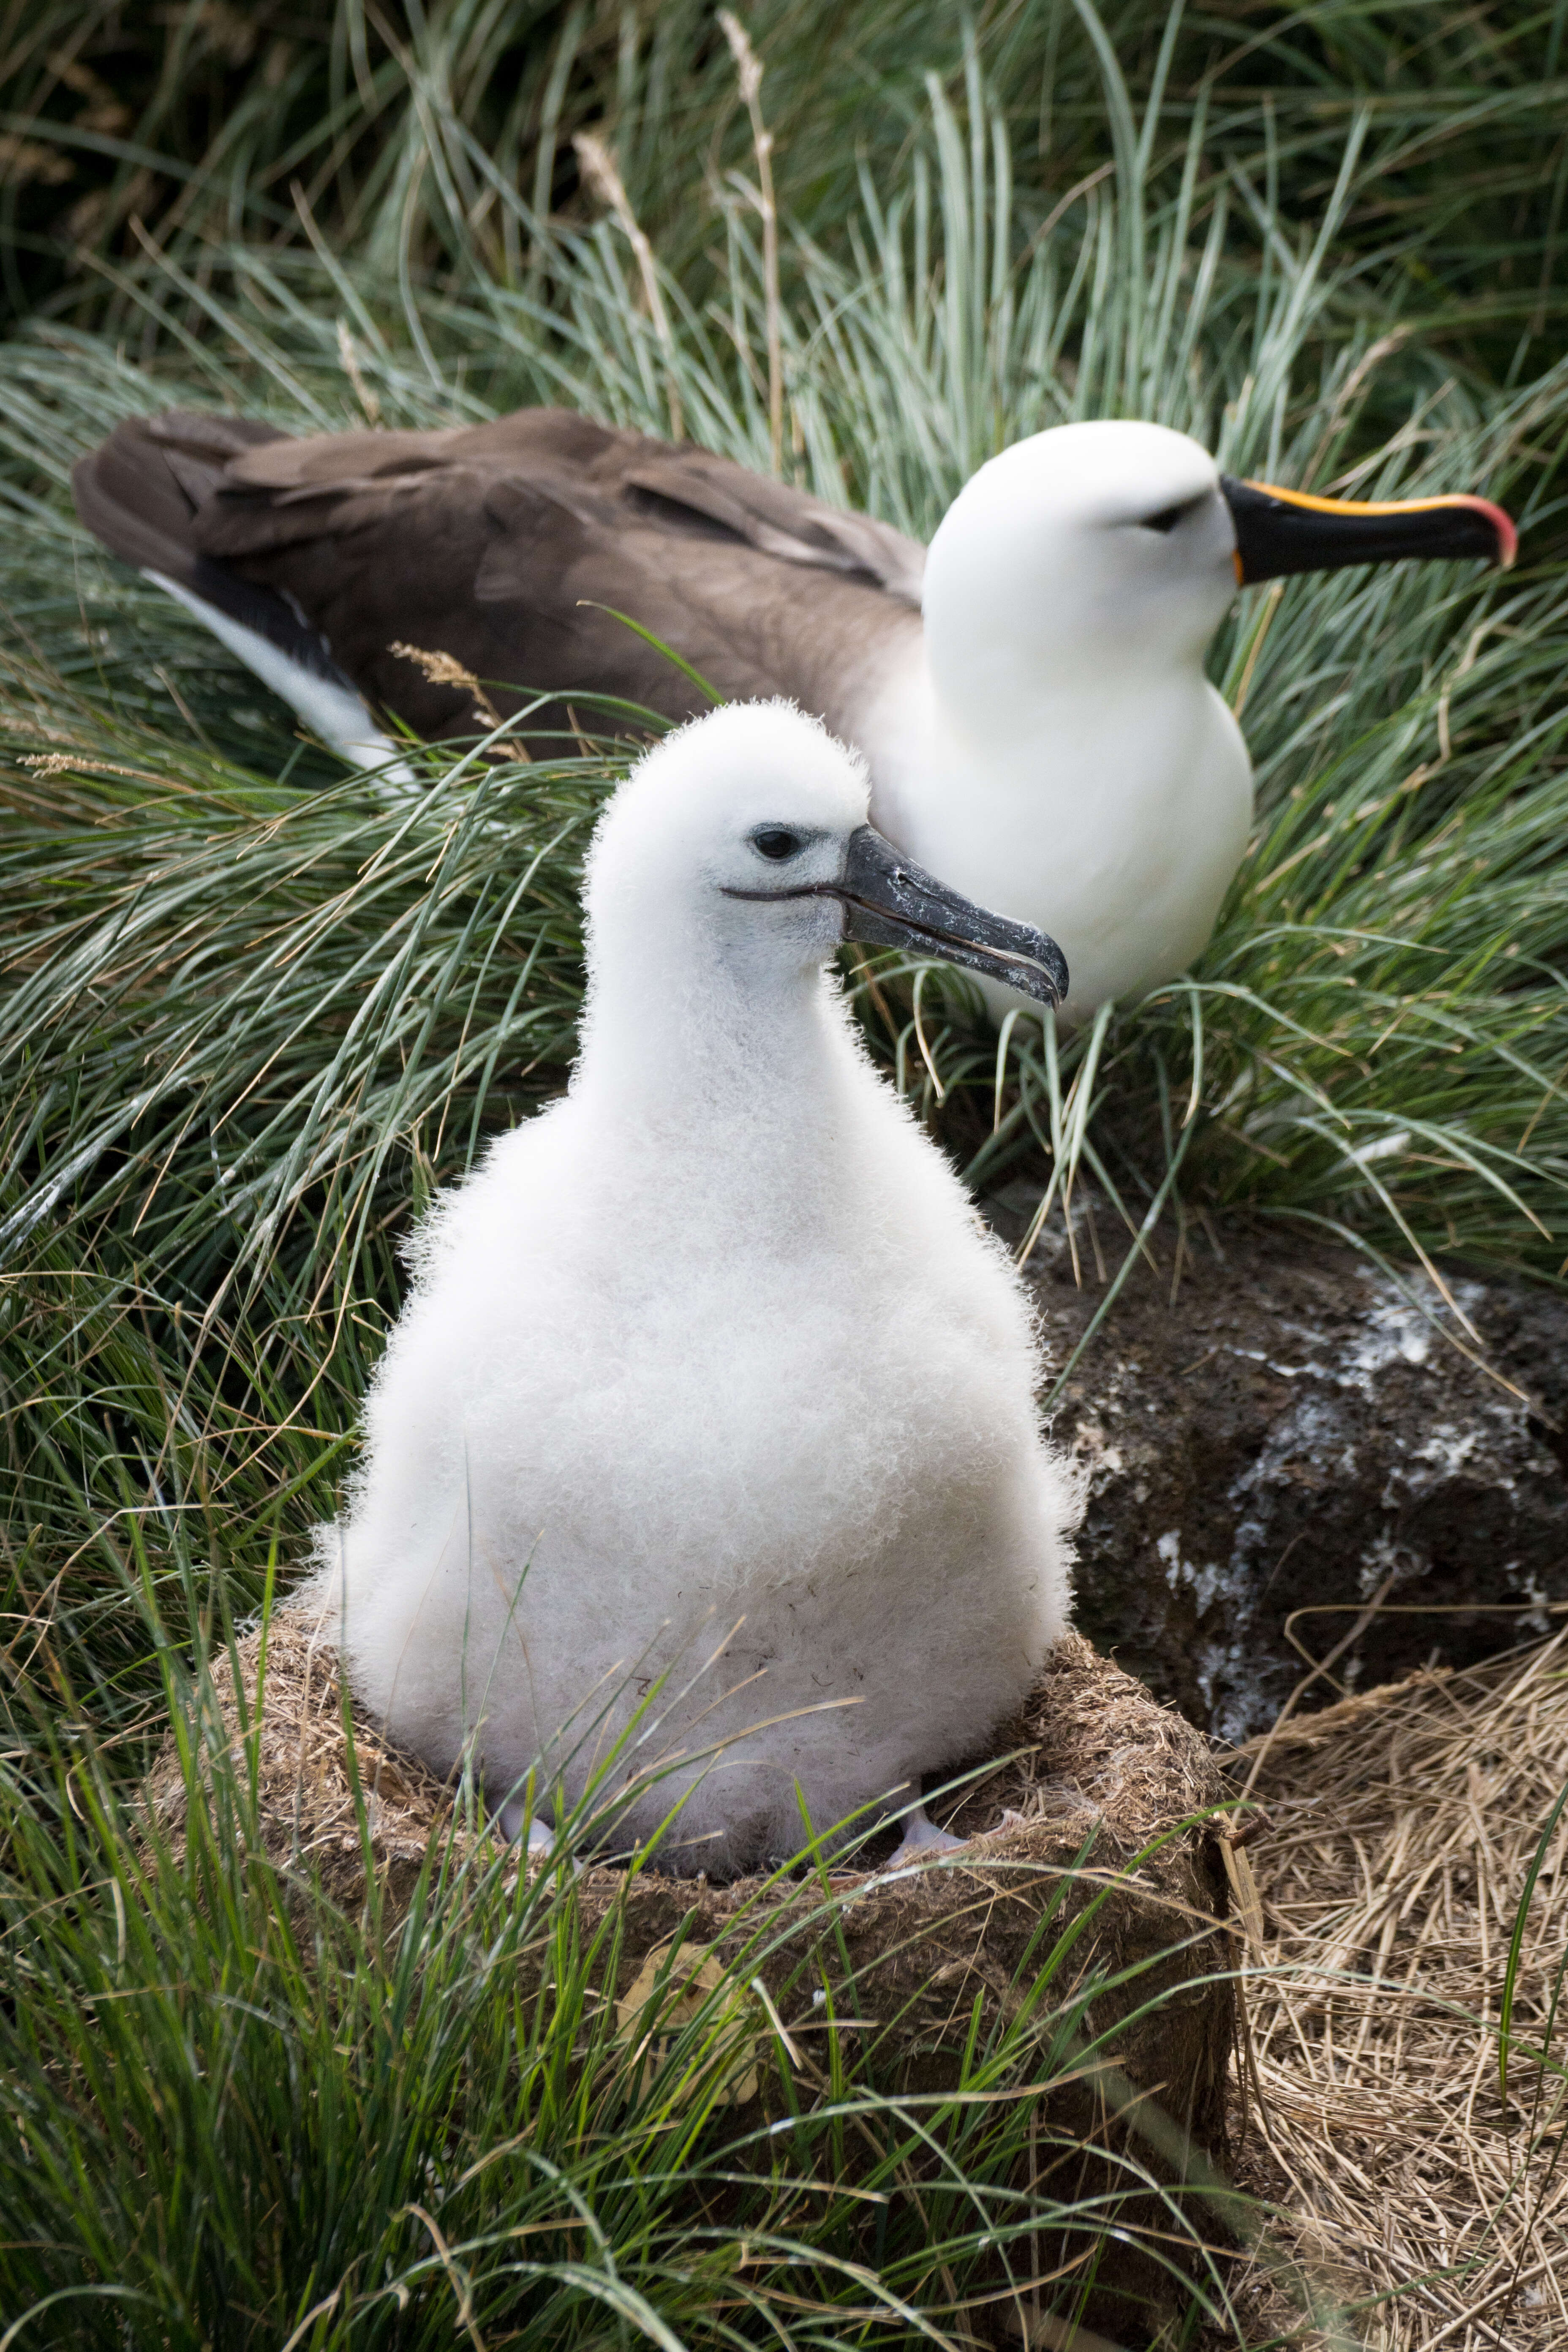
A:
(1284, 1446)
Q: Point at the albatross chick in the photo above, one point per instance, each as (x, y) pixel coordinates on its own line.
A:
(715, 1345)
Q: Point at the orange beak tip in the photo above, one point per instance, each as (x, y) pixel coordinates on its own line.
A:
(1502, 524)
(1352, 511)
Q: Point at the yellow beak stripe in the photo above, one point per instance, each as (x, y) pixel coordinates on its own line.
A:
(1508, 537)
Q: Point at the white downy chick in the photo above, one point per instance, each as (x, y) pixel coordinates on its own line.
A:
(715, 1345)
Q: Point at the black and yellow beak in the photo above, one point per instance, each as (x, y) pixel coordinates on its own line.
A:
(1282, 531)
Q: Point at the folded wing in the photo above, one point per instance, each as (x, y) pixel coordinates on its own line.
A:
(500, 545)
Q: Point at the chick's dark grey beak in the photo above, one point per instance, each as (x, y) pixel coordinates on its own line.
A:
(890, 902)
(1278, 532)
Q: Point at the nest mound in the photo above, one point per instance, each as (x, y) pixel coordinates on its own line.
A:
(1098, 1798)
(1404, 1825)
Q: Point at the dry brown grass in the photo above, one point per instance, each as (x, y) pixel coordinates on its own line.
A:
(1404, 1826)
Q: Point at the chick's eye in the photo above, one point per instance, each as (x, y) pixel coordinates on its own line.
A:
(776, 842)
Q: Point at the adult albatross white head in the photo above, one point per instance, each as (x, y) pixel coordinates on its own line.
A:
(715, 1347)
(1032, 702)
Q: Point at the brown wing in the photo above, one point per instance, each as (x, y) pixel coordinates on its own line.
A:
(498, 544)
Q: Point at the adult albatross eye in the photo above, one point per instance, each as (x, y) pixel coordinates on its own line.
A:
(775, 841)
(1168, 517)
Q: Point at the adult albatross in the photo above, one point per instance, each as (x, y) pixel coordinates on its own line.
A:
(1029, 693)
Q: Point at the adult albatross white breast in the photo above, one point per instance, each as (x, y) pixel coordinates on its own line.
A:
(713, 1356)
(1029, 694)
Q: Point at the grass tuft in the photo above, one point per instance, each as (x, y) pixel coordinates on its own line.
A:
(244, 2106)
(255, 1009)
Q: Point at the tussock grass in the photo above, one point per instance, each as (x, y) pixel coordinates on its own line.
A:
(254, 1009)
(208, 121)
(242, 2107)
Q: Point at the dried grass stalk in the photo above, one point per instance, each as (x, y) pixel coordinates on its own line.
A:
(1405, 1824)
(749, 73)
(598, 169)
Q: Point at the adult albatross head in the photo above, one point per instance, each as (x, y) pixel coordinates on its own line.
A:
(1125, 537)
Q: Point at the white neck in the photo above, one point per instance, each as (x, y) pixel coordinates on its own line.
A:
(995, 696)
(933, 734)
(736, 1079)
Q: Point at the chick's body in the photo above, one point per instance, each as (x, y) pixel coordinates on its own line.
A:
(714, 1347)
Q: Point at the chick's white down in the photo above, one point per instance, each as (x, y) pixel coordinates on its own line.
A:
(715, 1345)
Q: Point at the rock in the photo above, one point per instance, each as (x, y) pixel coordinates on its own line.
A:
(1297, 1432)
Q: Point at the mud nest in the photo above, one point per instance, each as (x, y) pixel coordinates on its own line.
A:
(1405, 1827)
(1108, 1797)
